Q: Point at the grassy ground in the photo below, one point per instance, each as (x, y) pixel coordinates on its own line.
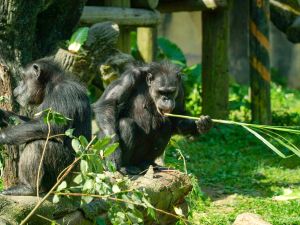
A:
(237, 173)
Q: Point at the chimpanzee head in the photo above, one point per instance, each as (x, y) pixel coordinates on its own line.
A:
(35, 77)
(164, 81)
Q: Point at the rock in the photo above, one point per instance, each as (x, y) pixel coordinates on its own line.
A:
(249, 219)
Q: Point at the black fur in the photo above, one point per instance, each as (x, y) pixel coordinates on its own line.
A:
(132, 109)
(46, 85)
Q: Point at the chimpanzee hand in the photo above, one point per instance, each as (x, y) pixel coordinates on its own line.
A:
(204, 124)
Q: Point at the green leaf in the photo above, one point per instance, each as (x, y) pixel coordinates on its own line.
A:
(69, 133)
(84, 166)
(55, 199)
(84, 142)
(100, 221)
(134, 218)
(110, 149)
(171, 50)
(78, 179)
(87, 199)
(76, 145)
(78, 39)
(178, 211)
(116, 188)
(267, 143)
(100, 144)
(88, 185)
(62, 186)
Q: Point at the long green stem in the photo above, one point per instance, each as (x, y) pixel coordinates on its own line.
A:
(279, 128)
(257, 130)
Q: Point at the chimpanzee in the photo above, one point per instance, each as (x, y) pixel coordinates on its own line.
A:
(45, 85)
(132, 109)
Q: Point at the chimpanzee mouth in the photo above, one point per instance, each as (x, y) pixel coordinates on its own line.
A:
(162, 112)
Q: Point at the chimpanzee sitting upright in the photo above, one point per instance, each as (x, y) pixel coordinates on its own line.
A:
(132, 108)
(45, 84)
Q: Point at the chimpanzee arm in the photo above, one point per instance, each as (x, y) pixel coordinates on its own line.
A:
(5, 117)
(108, 107)
(24, 132)
(187, 126)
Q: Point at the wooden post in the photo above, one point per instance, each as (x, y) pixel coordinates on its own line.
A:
(215, 63)
(260, 61)
(146, 40)
(124, 38)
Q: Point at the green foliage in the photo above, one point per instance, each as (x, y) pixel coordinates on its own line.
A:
(78, 38)
(50, 116)
(3, 99)
(170, 50)
(94, 181)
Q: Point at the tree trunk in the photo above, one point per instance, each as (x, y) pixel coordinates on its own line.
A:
(29, 30)
(215, 63)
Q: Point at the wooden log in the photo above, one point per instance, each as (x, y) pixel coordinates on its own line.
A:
(169, 6)
(215, 63)
(147, 4)
(165, 190)
(121, 16)
(146, 41)
(260, 62)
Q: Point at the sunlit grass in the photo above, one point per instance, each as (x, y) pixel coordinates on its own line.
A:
(237, 174)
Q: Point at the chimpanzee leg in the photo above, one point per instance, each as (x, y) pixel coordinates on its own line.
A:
(131, 142)
(128, 135)
(28, 166)
(56, 159)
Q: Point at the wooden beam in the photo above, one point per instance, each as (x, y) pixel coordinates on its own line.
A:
(168, 6)
(146, 40)
(215, 63)
(121, 16)
(260, 61)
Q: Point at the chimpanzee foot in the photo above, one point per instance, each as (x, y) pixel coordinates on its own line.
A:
(132, 170)
(19, 190)
(158, 168)
(142, 169)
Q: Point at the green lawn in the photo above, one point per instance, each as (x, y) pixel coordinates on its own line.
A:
(237, 174)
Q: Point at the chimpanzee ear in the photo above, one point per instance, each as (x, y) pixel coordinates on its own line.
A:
(149, 78)
(36, 70)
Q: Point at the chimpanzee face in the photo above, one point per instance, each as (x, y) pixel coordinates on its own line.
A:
(30, 90)
(163, 90)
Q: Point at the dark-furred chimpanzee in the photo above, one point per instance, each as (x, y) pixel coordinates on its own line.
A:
(45, 84)
(132, 108)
